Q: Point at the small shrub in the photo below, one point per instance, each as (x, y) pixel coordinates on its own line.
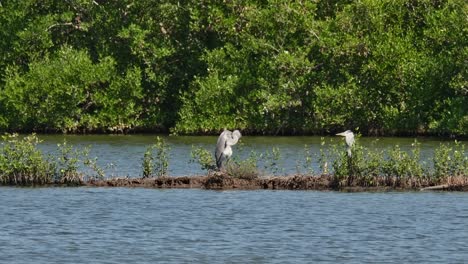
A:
(401, 164)
(450, 161)
(307, 162)
(67, 165)
(156, 159)
(148, 162)
(246, 170)
(371, 167)
(203, 157)
(92, 164)
(460, 160)
(21, 163)
(323, 157)
(271, 160)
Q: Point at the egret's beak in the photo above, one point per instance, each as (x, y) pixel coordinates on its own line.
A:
(341, 134)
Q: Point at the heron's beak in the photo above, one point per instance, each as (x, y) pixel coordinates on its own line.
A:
(341, 134)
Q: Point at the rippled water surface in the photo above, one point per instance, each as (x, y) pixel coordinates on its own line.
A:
(124, 225)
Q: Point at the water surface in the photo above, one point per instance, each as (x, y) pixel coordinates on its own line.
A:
(125, 225)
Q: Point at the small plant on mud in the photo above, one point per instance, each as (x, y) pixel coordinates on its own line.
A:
(305, 164)
(271, 160)
(21, 163)
(450, 161)
(323, 157)
(156, 159)
(68, 163)
(401, 164)
(203, 157)
(341, 169)
(92, 164)
(244, 170)
(148, 162)
(371, 167)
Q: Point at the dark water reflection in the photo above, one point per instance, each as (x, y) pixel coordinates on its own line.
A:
(125, 152)
(121, 225)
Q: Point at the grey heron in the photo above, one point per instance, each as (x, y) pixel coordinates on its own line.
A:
(223, 147)
(349, 138)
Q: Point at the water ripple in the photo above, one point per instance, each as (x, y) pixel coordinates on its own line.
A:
(123, 225)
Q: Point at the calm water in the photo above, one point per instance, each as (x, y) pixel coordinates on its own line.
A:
(125, 152)
(124, 225)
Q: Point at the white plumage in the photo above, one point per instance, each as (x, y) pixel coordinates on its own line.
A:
(349, 138)
(223, 147)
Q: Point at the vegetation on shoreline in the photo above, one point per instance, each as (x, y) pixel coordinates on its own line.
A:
(195, 67)
(394, 168)
(22, 164)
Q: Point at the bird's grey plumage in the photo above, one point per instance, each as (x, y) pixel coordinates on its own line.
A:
(349, 138)
(223, 149)
(220, 146)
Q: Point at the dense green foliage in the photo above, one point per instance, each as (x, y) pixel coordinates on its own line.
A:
(384, 66)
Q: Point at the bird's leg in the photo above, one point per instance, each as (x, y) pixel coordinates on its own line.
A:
(222, 169)
(350, 170)
(224, 164)
(228, 161)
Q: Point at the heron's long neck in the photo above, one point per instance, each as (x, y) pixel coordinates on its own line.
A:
(232, 141)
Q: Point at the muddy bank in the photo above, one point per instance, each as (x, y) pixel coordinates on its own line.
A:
(159, 182)
(218, 181)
